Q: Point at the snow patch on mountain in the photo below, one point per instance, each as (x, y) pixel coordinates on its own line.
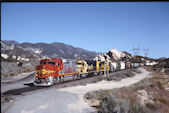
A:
(61, 51)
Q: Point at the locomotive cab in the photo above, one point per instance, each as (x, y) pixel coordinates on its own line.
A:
(81, 66)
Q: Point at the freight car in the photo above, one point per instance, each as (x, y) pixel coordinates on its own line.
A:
(128, 65)
(122, 65)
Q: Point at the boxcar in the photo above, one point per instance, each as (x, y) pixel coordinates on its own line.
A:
(122, 65)
(128, 65)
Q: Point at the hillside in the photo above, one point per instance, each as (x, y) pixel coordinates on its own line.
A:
(12, 50)
(149, 95)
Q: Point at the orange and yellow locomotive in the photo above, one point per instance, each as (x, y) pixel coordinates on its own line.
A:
(53, 69)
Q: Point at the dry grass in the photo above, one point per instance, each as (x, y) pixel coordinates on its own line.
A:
(5, 98)
(159, 85)
(118, 75)
(150, 105)
(162, 100)
(157, 100)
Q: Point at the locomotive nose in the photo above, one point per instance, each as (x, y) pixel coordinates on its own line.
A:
(44, 70)
(43, 67)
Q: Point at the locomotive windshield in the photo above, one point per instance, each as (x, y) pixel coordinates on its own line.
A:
(42, 62)
(53, 63)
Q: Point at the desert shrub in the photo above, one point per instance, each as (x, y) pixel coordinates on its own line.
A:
(162, 100)
(6, 99)
(141, 85)
(99, 78)
(11, 74)
(111, 104)
(150, 105)
(136, 108)
(166, 71)
(95, 95)
(116, 78)
(159, 85)
(121, 75)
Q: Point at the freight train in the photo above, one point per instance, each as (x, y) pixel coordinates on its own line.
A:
(51, 70)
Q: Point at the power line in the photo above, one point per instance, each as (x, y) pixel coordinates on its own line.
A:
(146, 52)
(136, 50)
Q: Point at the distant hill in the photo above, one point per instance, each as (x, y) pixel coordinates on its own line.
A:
(12, 50)
(163, 63)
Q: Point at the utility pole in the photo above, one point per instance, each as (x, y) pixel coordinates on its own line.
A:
(146, 52)
(136, 50)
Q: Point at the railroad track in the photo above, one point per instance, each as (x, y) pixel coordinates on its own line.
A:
(9, 107)
(65, 83)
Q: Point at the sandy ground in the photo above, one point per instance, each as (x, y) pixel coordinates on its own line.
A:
(66, 100)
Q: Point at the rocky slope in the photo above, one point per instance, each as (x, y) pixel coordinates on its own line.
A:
(114, 55)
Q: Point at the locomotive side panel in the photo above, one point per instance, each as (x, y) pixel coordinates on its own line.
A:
(91, 65)
(104, 66)
(69, 66)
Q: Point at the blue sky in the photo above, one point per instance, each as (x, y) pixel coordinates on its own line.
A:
(95, 26)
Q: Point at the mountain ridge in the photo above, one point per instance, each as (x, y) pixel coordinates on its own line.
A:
(44, 50)
(12, 50)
